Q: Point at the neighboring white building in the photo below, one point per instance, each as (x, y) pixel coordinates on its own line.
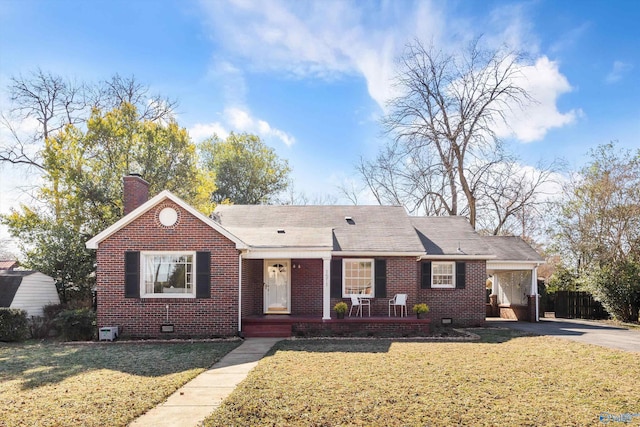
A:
(27, 290)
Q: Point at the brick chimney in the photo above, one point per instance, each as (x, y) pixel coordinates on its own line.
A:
(136, 192)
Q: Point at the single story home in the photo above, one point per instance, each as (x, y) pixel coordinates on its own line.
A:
(167, 268)
(27, 290)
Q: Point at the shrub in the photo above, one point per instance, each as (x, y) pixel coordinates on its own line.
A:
(420, 308)
(341, 307)
(617, 287)
(13, 324)
(41, 327)
(38, 327)
(77, 325)
(52, 310)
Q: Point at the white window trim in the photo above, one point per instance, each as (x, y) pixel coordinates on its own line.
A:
(144, 294)
(453, 274)
(373, 275)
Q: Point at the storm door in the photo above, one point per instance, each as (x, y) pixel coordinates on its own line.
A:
(277, 287)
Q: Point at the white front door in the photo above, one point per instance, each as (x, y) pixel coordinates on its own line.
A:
(277, 287)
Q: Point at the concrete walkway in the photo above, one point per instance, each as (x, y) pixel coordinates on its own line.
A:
(584, 331)
(194, 401)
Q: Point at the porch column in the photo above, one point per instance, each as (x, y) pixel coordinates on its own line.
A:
(326, 288)
(493, 298)
(534, 291)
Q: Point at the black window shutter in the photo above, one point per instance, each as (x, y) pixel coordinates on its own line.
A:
(461, 272)
(336, 278)
(381, 278)
(132, 274)
(425, 281)
(203, 274)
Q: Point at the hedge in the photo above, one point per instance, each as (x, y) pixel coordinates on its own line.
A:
(13, 324)
(77, 325)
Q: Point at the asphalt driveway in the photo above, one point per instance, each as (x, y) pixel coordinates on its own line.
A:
(579, 330)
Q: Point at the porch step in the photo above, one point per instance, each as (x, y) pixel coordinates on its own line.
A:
(267, 330)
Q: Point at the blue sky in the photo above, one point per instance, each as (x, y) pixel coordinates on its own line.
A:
(311, 78)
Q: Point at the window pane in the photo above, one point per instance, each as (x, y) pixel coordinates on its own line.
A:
(168, 274)
(442, 274)
(358, 277)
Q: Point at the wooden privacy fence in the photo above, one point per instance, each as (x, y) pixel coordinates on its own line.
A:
(577, 305)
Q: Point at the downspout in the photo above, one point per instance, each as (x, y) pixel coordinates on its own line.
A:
(240, 294)
(535, 275)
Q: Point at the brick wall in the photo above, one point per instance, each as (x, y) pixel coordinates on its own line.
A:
(466, 307)
(401, 279)
(140, 317)
(252, 287)
(306, 287)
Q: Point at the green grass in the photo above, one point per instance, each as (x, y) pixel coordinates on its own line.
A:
(507, 378)
(95, 385)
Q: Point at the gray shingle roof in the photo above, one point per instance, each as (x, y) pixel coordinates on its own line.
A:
(291, 237)
(371, 229)
(9, 283)
(510, 248)
(443, 235)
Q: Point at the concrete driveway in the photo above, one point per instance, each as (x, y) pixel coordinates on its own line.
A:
(578, 330)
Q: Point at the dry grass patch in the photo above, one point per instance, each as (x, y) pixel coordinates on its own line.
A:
(507, 379)
(95, 385)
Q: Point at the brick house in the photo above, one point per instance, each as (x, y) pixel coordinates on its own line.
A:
(165, 268)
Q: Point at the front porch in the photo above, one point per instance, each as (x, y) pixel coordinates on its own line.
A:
(301, 325)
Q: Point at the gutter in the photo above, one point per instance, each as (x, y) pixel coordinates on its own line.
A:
(376, 254)
(458, 256)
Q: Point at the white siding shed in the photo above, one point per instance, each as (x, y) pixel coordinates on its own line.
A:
(27, 290)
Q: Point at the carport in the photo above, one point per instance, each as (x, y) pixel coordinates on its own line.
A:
(514, 279)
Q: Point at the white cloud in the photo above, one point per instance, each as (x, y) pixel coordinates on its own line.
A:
(200, 132)
(323, 39)
(545, 83)
(618, 70)
(331, 39)
(240, 120)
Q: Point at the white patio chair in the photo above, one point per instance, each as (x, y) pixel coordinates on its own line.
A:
(398, 300)
(356, 301)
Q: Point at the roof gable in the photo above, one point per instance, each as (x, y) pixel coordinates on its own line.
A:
(151, 203)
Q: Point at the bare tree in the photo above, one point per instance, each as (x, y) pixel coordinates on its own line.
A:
(112, 93)
(54, 102)
(351, 191)
(49, 99)
(442, 128)
(512, 199)
(399, 176)
(291, 196)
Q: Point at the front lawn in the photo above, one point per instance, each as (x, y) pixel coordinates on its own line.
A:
(505, 379)
(95, 384)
